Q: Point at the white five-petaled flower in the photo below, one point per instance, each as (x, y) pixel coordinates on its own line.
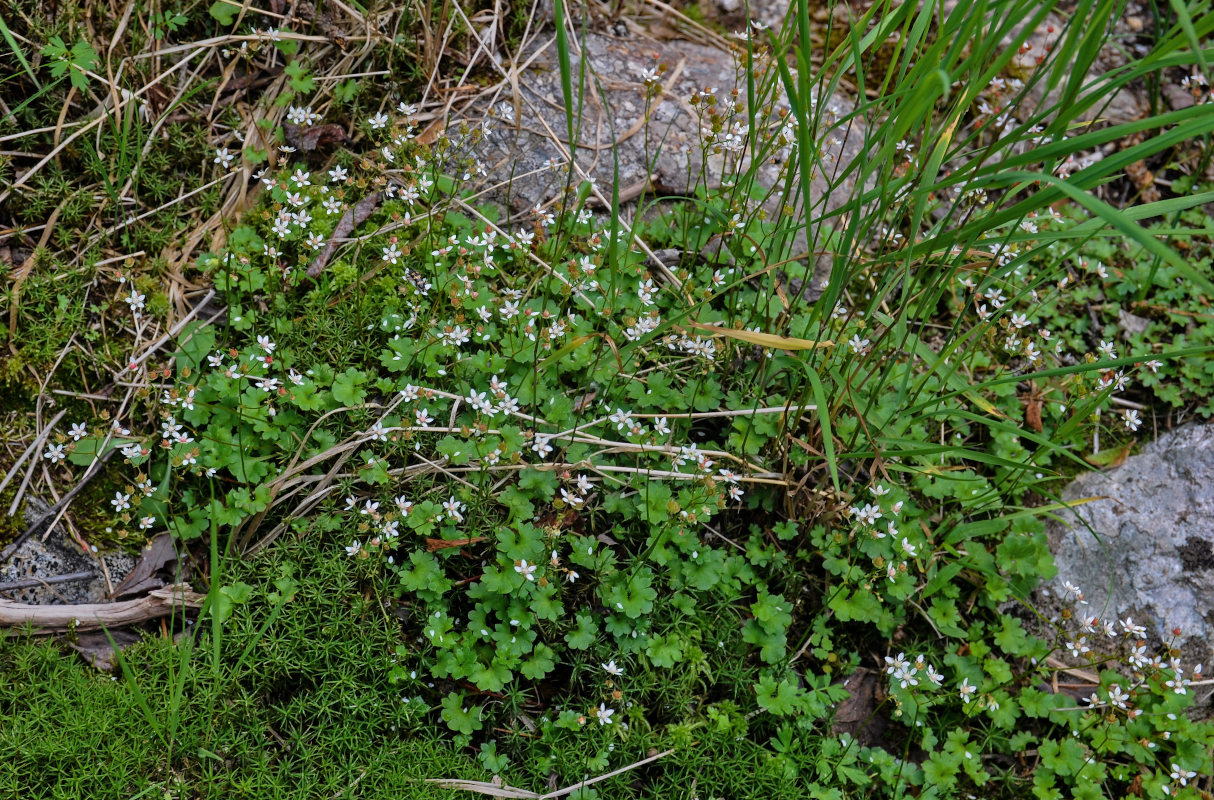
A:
(380, 120)
(121, 501)
(525, 569)
(223, 157)
(966, 690)
(54, 453)
(604, 714)
(1181, 775)
(338, 174)
(453, 508)
(611, 669)
(353, 549)
(868, 515)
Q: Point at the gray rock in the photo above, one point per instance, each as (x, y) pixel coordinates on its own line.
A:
(1152, 555)
(663, 147)
(36, 559)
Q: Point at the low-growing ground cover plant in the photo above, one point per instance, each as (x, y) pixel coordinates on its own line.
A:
(606, 506)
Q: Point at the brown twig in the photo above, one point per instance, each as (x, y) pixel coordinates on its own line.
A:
(93, 616)
(31, 583)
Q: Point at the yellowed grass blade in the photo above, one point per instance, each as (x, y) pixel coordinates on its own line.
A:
(762, 339)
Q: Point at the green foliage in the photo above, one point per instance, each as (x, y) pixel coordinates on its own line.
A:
(74, 61)
(589, 505)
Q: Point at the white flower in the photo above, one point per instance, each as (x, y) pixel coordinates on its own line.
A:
(1078, 646)
(965, 690)
(353, 550)
(661, 426)
(378, 121)
(1138, 631)
(265, 344)
(1131, 420)
(1107, 349)
(54, 453)
(611, 669)
(338, 174)
(1181, 775)
(525, 569)
(604, 714)
(858, 345)
(908, 547)
(453, 508)
(868, 515)
(223, 157)
(121, 501)
(541, 445)
(146, 522)
(78, 431)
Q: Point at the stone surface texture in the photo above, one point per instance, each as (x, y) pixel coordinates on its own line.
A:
(1154, 558)
(59, 556)
(660, 140)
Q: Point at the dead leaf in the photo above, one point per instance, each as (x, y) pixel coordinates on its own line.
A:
(431, 132)
(1131, 323)
(439, 544)
(155, 556)
(1032, 414)
(97, 650)
(350, 220)
(1107, 459)
(314, 137)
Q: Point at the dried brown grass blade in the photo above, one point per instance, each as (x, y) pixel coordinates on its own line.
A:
(500, 790)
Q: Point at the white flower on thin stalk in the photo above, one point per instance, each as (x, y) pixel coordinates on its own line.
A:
(54, 453)
(526, 570)
(454, 509)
